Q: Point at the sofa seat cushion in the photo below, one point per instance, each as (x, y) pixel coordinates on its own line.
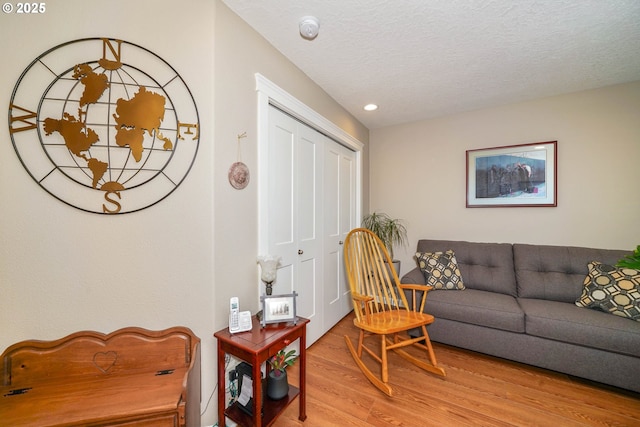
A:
(565, 322)
(483, 308)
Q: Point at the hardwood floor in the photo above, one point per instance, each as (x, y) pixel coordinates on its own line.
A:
(478, 390)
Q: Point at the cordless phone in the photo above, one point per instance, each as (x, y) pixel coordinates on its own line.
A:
(239, 321)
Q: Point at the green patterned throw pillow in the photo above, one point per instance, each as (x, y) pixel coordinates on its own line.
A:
(611, 289)
(440, 270)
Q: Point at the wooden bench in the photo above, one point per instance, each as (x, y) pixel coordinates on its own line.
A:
(129, 377)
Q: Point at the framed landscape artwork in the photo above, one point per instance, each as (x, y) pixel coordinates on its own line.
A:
(513, 176)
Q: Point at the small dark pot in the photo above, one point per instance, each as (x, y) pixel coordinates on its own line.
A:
(277, 386)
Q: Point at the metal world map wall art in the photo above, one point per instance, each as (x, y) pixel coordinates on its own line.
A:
(104, 125)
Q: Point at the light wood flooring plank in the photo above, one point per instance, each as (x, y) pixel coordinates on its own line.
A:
(479, 390)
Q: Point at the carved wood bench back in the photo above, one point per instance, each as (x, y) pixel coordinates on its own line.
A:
(89, 354)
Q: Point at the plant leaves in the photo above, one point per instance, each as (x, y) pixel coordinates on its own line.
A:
(631, 261)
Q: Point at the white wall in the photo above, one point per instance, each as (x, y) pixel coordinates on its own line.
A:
(64, 270)
(418, 172)
(240, 54)
(178, 262)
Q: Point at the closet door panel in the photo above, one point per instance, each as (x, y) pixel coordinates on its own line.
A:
(339, 211)
(310, 209)
(307, 203)
(308, 184)
(331, 230)
(281, 191)
(282, 206)
(348, 221)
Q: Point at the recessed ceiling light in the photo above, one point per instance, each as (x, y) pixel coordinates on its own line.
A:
(370, 107)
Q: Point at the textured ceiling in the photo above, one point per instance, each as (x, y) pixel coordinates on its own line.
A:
(420, 59)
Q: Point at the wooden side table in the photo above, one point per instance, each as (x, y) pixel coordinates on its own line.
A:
(255, 347)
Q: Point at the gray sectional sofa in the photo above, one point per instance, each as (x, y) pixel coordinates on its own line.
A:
(519, 304)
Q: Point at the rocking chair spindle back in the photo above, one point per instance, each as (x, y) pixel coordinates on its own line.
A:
(381, 307)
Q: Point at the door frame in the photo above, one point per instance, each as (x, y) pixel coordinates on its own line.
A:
(271, 94)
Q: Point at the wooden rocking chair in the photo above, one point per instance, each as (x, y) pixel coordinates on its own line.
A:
(381, 308)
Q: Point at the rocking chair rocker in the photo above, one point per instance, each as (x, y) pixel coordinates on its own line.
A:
(381, 308)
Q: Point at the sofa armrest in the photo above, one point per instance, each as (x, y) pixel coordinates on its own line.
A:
(415, 276)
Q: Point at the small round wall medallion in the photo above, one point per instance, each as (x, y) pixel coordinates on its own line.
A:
(104, 125)
(239, 175)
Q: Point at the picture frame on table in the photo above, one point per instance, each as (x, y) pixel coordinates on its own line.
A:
(524, 175)
(279, 308)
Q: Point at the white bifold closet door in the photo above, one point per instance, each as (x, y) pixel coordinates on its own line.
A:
(311, 207)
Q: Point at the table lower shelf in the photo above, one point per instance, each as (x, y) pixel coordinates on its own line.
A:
(272, 408)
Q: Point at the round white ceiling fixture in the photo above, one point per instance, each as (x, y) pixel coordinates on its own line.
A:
(370, 107)
(309, 27)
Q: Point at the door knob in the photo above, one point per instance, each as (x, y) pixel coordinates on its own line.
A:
(341, 242)
(300, 251)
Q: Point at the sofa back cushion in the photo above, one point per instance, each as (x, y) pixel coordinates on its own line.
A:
(556, 273)
(483, 266)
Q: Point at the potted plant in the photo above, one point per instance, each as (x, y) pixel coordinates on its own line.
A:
(277, 383)
(391, 231)
(631, 261)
